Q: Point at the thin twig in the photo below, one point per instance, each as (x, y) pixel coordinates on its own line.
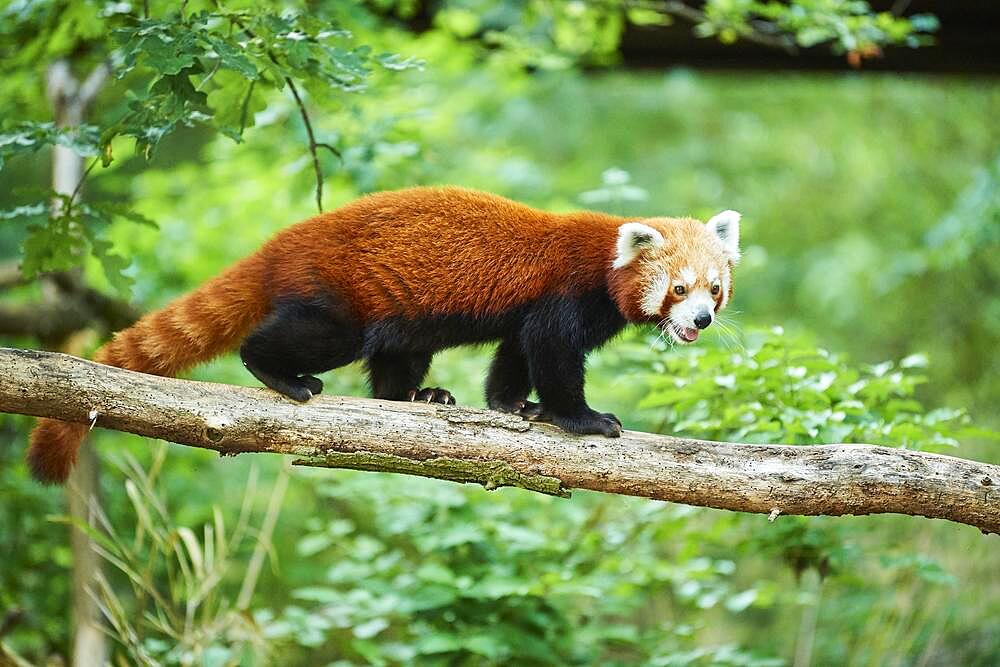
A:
(208, 77)
(245, 108)
(331, 149)
(312, 142)
(79, 184)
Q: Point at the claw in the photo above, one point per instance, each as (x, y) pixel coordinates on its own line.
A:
(313, 384)
(431, 395)
(533, 412)
(613, 418)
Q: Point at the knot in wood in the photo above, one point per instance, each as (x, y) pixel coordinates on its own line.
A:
(215, 429)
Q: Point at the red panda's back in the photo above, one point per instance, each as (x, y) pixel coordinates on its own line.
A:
(433, 251)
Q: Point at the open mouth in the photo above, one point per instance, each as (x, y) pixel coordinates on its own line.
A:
(682, 334)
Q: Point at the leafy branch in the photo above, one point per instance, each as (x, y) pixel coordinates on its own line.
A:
(170, 69)
(313, 144)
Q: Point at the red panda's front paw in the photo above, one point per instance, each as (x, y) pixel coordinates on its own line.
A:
(516, 406)
(525, 409)
(534, 412)
(431, 395)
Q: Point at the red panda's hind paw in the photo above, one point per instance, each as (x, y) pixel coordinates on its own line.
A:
(591, 423)
(431, 395)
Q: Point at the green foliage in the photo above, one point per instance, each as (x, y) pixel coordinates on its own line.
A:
(417, 573)
(556, 35)
(957, 256)
(187, 69)
(184, 586)
(782, 388)
(847, 27)
(420, 573)
(180, 55)
(35, 553)
(61, 234)
(28, 137)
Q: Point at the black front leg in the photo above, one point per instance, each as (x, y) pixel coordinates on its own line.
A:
(508, 384)
(397, 377)
(556, 367)
(394, 375)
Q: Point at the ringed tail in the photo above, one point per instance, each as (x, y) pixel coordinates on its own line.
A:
(192, 329)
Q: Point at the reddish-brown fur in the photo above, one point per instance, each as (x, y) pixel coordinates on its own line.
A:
(194, 328)
(433, 251)
(423, 251)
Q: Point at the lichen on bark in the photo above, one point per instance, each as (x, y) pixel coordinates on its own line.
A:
(490, 474)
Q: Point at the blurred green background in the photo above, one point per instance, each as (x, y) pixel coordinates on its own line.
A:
(867, 308)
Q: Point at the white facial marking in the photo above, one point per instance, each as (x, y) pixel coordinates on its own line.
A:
(713, 275)
(726, 226)
(652, 299)
(682, 314)
(688, 275)
(725, 290)
(633, 237)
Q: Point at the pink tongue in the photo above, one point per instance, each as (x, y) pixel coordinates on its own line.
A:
(689, 334)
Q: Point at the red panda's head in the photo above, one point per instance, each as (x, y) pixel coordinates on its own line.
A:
(675, 272)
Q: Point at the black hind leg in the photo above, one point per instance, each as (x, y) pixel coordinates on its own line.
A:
(300, 337)
(396, 376)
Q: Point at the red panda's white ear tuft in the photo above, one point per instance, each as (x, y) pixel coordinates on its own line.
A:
(633, 238)
(726, 226)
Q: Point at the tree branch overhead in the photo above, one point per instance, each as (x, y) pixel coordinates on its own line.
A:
(494, 449)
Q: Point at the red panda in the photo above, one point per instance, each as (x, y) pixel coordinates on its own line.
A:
(394, 277)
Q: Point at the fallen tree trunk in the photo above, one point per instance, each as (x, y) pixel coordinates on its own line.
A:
(493, 449)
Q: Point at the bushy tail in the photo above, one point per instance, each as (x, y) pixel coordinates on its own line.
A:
(194, 328)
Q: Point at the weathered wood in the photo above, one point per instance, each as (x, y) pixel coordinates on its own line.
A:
(493, 449)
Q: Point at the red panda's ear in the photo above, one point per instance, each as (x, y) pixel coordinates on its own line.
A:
(633, 238)
(726, 226)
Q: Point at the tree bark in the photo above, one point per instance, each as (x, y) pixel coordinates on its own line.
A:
(494, 449)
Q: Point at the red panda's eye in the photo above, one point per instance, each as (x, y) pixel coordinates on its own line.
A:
(679, 290)
(715, 289)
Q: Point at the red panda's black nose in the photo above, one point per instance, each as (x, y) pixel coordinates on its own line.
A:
(703, 319)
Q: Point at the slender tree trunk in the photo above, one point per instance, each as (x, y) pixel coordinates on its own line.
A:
(89, 642)
(808, 619)
(69, 101)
